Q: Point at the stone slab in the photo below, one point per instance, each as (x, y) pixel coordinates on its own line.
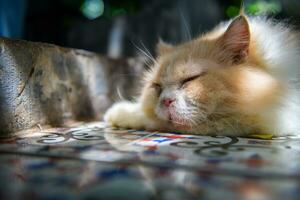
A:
(49, 85)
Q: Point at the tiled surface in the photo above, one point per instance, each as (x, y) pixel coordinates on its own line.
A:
(97, 162)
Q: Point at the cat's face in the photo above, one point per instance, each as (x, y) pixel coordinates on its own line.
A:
(188, 90)
(206, 79)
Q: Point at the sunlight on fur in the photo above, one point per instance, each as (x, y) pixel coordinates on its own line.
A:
(234, 80)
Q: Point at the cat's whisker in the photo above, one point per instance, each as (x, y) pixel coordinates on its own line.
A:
(147, 50)
(186, 27)
(149, 56)
(230, 125)
(119, 93)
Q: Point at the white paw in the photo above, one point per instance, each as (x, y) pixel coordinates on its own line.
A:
(126, 115)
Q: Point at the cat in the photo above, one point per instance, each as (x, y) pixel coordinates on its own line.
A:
(239, 79)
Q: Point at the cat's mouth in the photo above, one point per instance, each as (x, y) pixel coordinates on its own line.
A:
(178, 122)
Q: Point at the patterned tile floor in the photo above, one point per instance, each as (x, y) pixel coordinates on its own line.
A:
(97, 162)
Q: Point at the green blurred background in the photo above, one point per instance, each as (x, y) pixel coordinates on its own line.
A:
(119, 27)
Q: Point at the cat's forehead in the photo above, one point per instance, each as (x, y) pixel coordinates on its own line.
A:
(172, 68)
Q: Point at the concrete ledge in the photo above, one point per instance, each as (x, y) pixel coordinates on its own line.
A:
(46, 84)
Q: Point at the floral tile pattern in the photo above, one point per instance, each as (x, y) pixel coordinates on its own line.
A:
(93, 161)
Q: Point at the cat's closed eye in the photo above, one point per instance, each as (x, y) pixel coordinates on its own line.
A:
(157, 87)
(189, 79)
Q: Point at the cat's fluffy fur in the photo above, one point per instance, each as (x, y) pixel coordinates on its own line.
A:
(239, 79)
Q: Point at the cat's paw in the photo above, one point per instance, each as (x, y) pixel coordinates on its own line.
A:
(126, 115)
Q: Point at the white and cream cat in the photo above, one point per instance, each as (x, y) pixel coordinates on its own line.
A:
(238, 79)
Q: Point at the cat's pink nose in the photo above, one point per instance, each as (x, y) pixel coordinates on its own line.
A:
(168, 101)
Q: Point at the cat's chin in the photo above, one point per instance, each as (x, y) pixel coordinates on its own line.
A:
(173, 122)
(181, 127)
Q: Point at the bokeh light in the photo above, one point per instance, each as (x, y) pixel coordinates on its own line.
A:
(256, 7)
(264, 7)
(92, 8)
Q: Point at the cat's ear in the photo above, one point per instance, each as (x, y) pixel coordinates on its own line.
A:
(236, 39)
(163, 47)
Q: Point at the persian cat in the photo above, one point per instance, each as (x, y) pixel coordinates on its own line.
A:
(238, 79)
